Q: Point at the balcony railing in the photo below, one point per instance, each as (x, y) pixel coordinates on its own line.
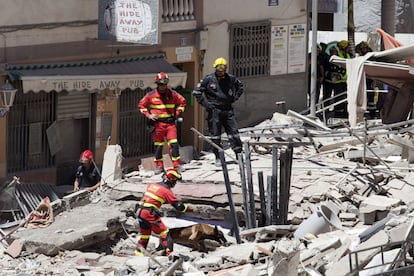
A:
(177, 10)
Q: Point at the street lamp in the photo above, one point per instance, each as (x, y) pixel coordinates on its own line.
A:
(7, 94)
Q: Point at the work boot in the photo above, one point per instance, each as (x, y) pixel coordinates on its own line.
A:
(158, 170)
(218, 163)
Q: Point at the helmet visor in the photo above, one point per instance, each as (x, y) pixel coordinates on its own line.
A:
(221, 67)
(163, 81)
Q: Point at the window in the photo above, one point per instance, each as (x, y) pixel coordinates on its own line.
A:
(250, 49)
(27, 144)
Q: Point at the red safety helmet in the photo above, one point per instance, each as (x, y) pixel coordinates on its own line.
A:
(161, 78)
(85, 156)
(172, 175)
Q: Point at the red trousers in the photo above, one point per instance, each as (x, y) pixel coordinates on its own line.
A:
(168, 131)
(149, 222)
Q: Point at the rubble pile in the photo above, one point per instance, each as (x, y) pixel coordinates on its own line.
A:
(350, 211)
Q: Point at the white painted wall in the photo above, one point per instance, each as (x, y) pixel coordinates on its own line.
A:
(219, 14)
(30, 12)
(260, 93)
(367, 16)
(20, 12)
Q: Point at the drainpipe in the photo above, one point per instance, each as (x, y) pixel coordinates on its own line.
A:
(314, 58)
(388, 16)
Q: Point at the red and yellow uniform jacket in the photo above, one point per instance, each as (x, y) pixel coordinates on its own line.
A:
(160, 193)
(166, 106)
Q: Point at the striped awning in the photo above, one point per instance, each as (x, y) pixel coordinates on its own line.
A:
(95, 75)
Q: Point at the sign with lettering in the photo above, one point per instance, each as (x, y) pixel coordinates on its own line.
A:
(326, 6)
(273, 3)
(96, 82)
(184, 53)
(134, 21)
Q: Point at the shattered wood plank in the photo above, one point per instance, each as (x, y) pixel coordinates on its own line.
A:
(308, 121)
(407, 145)
(264, 250)
(341, 144)
(270, 127)
(318, 256)
(387, 150)
(272, 229)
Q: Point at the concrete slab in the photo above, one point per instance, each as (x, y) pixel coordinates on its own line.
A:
(88, 225)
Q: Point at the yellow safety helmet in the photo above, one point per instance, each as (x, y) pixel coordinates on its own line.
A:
(220, 64)
(343, 44)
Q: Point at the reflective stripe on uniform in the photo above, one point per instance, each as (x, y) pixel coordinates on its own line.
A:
(145, 237)
(154, 196)
(165, 232)
(163, 116)
(161, 106)
(172, 141)
(150, 205)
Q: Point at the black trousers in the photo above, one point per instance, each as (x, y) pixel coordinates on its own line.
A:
(223, 118)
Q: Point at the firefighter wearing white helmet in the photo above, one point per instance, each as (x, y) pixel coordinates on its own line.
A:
(216, 93)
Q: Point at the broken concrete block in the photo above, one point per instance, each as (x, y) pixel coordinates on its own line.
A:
(139, 264)
(376, 207)
(397, 233)
(14, 249)
(286, 257)
(344, 267)
(76, 199)
(112, 164)
(347, 216)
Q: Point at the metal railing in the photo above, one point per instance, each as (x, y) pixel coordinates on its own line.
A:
(399, 263)
(177, 10)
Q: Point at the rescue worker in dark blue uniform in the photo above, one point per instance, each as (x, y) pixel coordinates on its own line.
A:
(217, 92)
(87, 175)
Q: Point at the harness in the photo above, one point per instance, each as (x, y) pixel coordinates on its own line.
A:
(149, 207)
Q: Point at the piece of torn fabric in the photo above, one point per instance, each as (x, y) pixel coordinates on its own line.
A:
(356, 85)
(42, 216)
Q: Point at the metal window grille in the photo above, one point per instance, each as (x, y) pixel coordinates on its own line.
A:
(28, 119)
(250, 50)
(133, 137)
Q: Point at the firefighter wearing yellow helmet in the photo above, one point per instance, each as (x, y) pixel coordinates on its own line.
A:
(341, 110)
(216, 93)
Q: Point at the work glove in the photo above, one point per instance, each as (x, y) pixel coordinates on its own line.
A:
(152, 117)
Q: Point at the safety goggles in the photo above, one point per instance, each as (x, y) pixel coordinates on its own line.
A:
(221, 67)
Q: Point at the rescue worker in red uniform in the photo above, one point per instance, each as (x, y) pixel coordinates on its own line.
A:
(149, 215)
(217, 92)
(163, 106)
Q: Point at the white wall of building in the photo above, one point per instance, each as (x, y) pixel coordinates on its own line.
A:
(367, 16)
(261, 93)
(21, 14)
(237, 11)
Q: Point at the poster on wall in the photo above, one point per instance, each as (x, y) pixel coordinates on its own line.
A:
(134, 21)
(297, 48)
(278, 53)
